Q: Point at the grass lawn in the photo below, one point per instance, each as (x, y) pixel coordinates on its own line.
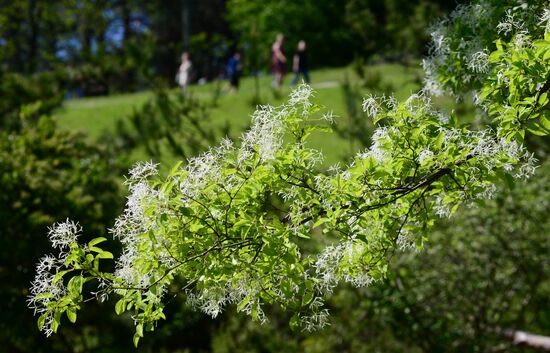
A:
(96, 115)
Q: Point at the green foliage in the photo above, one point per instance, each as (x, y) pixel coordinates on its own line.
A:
(40, 36)
(502, 54)
(462, 44)
(482, 271)
(395, 29)
(241, 243)
(46, 175)
(42, 166)
(518, 106)
(30, 31)
(31, 96)
(235, 225)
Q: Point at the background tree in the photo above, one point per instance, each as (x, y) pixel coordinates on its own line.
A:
(394, 29)
(46, 175)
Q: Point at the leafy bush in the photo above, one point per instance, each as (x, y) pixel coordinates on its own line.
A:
(40, 94)
(46, 175)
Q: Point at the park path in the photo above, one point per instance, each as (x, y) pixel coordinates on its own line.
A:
(326, 84)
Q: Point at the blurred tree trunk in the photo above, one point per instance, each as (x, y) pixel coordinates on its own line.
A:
(126, 19)
(32, 38)
(185, 23)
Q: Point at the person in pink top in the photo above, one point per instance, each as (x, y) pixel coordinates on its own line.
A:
(278, 61)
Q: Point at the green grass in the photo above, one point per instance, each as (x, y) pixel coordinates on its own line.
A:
(97, 115)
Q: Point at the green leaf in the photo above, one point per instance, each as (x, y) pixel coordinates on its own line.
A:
(509, 181)
(139, 330)
(95, 249)
(289, 258)
(319, 222)
(41, 321)
(307, 298)
(75, 284)
(242, 304)
(545, 122)
(105, 255)
(136, 339)
(186, 211)
(294, 322)
(536, 129)
(59, 276)
(175, 168)
(96, 241)
(56, 321)
(71, 314)
(120, 306)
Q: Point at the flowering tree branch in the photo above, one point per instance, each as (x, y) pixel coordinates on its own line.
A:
(231, 224)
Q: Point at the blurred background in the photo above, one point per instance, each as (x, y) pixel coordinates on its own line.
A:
(88, 87)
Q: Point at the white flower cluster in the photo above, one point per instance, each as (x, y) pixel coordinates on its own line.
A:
(205, 169)
(44, 290)
(213, 299)
(479, 62)
(317, 319)
(301, 97)
(329, 117)
(327, 268)
(63, 234)
(545, 20)
(440, 39)
(425, 156)
(432, 85)
(406, 240)
(141, 171)
(442, 209)
(468, 49)
(474, 14)
(134, 222)
(510, 23)
(419, 103)
(527, 169)
(341, 262)
(377, 150)
(265, 134)
(371, 106)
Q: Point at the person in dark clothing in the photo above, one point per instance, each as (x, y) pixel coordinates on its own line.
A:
(300, 64)
(234, 69)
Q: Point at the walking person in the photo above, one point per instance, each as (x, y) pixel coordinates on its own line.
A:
(184, 71)
(234, 69)
(278, 61)
(300, 64)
